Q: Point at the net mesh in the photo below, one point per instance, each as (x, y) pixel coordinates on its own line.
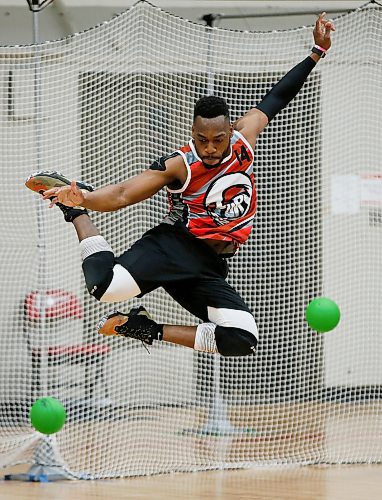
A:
(101, 106)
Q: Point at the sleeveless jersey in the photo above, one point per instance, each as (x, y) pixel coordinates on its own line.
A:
(219, 202)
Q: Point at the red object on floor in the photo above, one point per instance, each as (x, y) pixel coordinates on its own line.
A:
(59, 304)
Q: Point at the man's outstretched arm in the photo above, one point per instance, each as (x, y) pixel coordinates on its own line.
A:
(116, 196)
(254, 122)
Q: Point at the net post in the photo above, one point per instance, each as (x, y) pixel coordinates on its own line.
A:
(218, 422)
(45, 468)
(209, 19)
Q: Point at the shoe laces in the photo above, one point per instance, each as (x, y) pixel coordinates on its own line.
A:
(139, 327)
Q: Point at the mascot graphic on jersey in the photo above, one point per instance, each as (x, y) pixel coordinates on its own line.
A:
(228, 198)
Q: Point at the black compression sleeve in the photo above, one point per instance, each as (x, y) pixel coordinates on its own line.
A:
(286, 89)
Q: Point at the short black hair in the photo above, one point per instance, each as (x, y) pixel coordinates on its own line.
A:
(211, 106)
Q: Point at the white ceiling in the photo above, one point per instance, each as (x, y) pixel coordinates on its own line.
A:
(64, 17)
(289, 4)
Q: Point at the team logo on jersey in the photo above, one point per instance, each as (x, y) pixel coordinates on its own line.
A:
(228, 197)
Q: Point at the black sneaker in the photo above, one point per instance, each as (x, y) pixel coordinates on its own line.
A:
(40, 181)
(136, 324)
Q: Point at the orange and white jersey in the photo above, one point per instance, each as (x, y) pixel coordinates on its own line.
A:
(219, 202)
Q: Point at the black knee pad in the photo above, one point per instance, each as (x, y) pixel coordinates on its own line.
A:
(232, 341)
(98, 272)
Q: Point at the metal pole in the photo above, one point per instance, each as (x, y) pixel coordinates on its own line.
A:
(220, 16)
(47, 462)
(209, 20)
(277, 14)
(218, 421)
(41, 234)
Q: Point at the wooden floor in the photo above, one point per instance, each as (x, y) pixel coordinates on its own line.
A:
(361, 482)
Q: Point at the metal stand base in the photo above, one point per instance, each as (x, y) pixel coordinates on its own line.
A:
(40, 474)
(218, 423)
(47, 464)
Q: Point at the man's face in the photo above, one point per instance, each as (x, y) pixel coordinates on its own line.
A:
(212, 139)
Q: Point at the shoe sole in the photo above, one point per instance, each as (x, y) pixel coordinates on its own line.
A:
(39, 182)
(107, 324)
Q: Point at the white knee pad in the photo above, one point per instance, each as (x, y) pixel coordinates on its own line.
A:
(233, 318)
(122, 287)
(205, 340)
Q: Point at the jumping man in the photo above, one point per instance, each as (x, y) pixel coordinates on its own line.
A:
(212, 198)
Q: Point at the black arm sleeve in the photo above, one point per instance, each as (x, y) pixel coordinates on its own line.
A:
(286, 89)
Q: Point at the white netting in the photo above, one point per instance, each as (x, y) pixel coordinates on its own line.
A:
(101, 106)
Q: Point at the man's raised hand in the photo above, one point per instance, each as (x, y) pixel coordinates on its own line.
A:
(71, 196)
(322, 31)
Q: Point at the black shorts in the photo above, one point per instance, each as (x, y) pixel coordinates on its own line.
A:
(169, 256)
